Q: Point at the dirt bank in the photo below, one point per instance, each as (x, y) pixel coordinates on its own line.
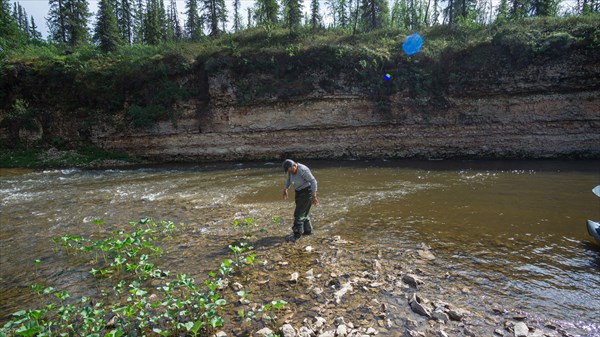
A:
(484, 103)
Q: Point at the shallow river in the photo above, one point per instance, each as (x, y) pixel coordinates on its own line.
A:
(512, 231)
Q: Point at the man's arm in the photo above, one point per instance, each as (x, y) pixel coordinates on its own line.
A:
(314, 199)
(307, 174)
(286, 185)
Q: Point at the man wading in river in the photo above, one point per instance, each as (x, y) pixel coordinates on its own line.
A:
(305, 186)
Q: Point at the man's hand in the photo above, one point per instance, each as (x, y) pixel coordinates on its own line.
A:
(285, 194)
(314, 200)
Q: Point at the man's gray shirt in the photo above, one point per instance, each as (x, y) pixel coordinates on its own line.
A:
(302, 179)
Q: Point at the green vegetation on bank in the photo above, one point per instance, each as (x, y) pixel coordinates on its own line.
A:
(133, 295)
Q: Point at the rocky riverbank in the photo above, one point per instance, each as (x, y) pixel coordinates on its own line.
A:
(333, 290)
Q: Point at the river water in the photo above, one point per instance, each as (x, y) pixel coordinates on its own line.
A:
(512, 231)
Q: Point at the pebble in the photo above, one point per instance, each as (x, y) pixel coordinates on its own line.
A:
(264, 332)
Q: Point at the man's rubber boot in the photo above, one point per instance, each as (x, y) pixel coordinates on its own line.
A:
(307, 227)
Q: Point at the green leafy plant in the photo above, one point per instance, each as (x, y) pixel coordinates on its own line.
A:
(144, 299)
(126, 258)
(240, 258)
(246, 225)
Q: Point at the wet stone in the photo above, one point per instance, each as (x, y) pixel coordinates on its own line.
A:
(412, 280)
(426, 254)
(372, 331)
(440, 316)
(521, 330)
(419, 308)
(329, 333)
(305, 332)
(341, 331)
(264, 332)
(287, 330)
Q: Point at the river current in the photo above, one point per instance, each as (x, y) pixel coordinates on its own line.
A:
(512, 231)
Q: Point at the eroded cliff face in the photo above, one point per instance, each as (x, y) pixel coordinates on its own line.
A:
(545, 109)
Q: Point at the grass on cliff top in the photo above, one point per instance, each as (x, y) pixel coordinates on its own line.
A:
(258, 39)
(585, 29)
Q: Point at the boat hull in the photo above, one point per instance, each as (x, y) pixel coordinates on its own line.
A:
(593, 228)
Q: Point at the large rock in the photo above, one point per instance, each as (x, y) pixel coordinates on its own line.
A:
(287, 330)
(416, 306)
(412, 280)
(521, 330)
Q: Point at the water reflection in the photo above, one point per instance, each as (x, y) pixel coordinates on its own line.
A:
(514, 231)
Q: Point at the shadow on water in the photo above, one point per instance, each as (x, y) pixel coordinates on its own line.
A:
(270, 241)
(592, 250)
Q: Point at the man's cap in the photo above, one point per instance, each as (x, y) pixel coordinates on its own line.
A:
(287, 164)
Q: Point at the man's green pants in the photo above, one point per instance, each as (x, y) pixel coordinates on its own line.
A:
(301, 218)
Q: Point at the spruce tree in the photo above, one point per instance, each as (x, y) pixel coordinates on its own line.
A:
(398, 16)
(237, 16)
(138, 21)
(502, 13)
(162, 20)
(215, 13)
(57, 21)
(10, 35)
(316, 21)
(250, 22)
(340, 12)
(589, 7)
(343, 13)
(67, 20)
(20, 16)
(34, 34)
(464, 9)
(125, 15)
(292, 15)
(152, 27)
(374, 14)
(106, 33)
(77, 22)
(265, 12)
(544, 7)
(436, 13)
(332, 8)
(193, 24)
(355, 14)
(519, 9)
(175, 31)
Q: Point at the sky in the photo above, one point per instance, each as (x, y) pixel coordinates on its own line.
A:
(39, 10)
